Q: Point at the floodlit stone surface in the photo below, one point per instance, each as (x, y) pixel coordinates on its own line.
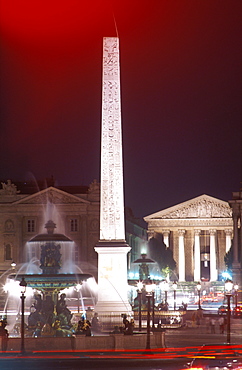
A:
(112, 249)
(112, 341)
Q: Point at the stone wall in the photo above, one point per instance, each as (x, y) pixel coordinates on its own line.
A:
(112, 341)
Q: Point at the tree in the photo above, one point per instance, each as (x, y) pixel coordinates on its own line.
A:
(162, 255)
(228, 258)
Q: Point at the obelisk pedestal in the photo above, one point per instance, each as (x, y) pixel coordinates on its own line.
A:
(112, 279)
(112, 248)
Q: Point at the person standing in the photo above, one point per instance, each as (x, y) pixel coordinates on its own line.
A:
(221, 324)
(95, 322)
(212, 325)
(194, 319)
(207, 324)
(4, 334)
(199, 315)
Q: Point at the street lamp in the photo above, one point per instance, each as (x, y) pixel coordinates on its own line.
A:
(23, 285)
(174, 286)
(199, 286)
(228, 286)
(140, 286)
(148, 288)
(166, 288)
(153, 304)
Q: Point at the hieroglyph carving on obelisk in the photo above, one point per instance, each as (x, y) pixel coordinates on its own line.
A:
(112, 202)
(112, 249)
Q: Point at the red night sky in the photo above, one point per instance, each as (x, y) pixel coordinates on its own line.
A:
(181, 95)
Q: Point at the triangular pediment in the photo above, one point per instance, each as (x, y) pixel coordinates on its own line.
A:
(203, 206)
(51, 195)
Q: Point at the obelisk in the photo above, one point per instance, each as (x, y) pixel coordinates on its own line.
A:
(112, 248)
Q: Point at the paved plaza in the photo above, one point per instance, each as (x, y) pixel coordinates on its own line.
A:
(198, 335)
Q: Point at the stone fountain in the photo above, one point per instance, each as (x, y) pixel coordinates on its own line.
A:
(48, 309)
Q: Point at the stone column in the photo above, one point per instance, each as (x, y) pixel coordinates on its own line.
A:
(228, 233)
(166, 237)
(150, 234)
(235, 215)
(181, 258)
(236, 205)
(213, 259)
(197, 256)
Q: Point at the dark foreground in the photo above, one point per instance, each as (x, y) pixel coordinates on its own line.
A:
(181, 346)
(156, 359)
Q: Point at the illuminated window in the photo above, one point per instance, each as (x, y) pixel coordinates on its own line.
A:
(73, 225)
(31, 226)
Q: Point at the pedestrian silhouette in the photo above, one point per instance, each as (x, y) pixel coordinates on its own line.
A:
(212, 325)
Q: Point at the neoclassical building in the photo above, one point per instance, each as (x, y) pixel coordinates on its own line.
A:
(199, 232)
(26, 207)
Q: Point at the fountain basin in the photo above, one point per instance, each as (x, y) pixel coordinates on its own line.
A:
(50, 281)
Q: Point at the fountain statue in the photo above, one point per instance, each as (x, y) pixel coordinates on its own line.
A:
(49, 314)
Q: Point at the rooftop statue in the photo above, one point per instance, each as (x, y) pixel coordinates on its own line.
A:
(9, 188)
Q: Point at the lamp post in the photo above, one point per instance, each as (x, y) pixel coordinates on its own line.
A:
(228, 286)
(166, 288)
(23, 285)
(199, 286)
(78, 287)
(148, 288)
(153, 304)
(174, 286)
(140, 286)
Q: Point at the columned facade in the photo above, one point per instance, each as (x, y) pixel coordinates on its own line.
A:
(181, 248)
(199, 232)
(213, 256)
(228, 233)
(197, 264)
(166, 234)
